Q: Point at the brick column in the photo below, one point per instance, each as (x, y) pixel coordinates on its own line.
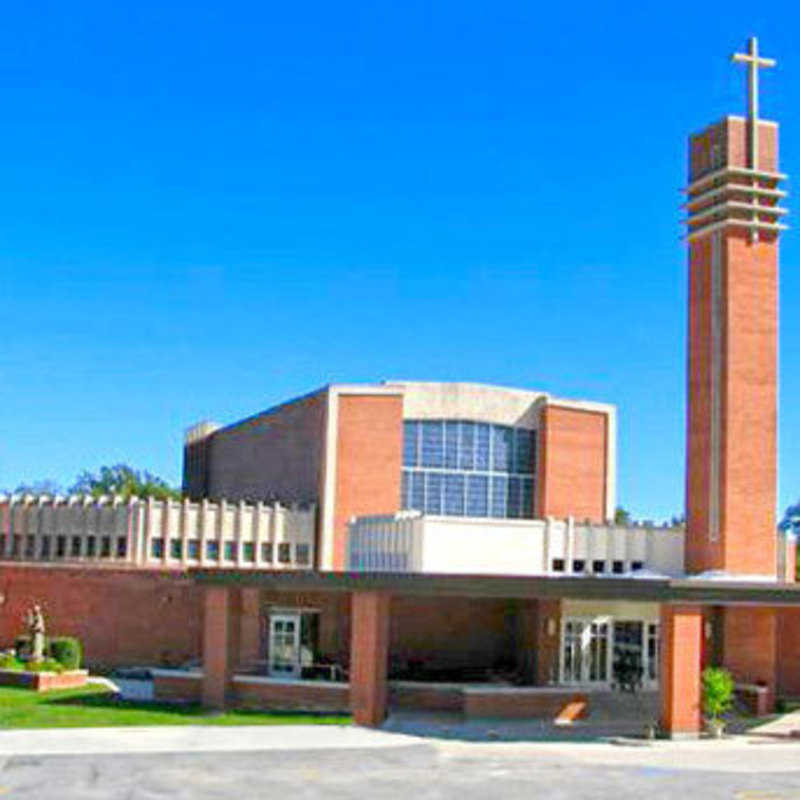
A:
(548, 638)
(369, 653)
(216, 655)
(681, 642)
(249, 628)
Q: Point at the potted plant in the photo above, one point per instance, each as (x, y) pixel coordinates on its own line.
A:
(717, 698)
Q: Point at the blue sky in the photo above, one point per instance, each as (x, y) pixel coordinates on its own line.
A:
(207, 208)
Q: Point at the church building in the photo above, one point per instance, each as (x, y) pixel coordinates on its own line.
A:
(452, 546)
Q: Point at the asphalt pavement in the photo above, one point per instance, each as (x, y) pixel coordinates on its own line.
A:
(310, 762)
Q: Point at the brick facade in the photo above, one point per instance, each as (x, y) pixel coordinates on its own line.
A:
(572, 477)
(276, 454)
(122, 617)
(788, 652)
(369, 449)
(731, 441)
(750, 646)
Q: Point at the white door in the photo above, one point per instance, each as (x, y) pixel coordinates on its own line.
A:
(585, 650)
(284, 645)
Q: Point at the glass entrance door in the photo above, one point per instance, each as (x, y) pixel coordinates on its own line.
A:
(594, 650)
(585, 651)
(284, 645)
(636, 650)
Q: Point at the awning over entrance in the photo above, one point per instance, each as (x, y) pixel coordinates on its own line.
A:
(673, 641)
(646, 589)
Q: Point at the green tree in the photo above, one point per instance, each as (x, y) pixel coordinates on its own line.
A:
(45, 486)
(124, 480)
(622, 517)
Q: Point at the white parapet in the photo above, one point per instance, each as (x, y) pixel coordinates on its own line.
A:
(414, 542)
(152, 533)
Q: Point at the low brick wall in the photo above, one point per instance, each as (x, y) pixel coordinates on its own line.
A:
(756, 699)
(44, 681)
(279, 694)
(406, 695)
(519, 703)
(274, 694)
(177, 686)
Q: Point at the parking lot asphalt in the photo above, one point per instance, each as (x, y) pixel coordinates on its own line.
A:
(420, 768)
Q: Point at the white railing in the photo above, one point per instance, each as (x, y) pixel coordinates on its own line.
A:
(414, 542)
(156, 533)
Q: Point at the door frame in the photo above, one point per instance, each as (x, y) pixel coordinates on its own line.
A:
(585, 637)
(284, 616)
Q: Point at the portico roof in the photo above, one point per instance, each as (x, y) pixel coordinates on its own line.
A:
(642, 589)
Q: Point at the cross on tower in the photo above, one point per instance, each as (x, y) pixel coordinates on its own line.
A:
(753, 61)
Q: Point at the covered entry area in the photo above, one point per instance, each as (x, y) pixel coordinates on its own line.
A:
(570, 632)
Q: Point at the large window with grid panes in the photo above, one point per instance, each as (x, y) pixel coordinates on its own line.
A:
(465, 468)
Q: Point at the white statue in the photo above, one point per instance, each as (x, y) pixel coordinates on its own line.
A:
(35, 621)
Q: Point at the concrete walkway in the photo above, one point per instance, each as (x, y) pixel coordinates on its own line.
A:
(195, 739)
(787, 726)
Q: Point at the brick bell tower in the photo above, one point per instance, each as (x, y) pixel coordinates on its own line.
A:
(734, 223)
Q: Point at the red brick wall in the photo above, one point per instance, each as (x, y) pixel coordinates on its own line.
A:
(788, 652)
(701, 551)
(276, 453)
(751, 645)
(452, 632)
(291, 696)
(748, 371)
(368, 462)
(571, 473)
(44, 681)
(122, 617)
(178, 688)
(426, 698)
(749, 471)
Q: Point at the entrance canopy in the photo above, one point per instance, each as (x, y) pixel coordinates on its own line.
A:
(643, 589)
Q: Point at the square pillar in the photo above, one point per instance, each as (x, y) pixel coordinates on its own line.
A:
(681, 652)
(369, 655)
(249, 628)
(216, 650)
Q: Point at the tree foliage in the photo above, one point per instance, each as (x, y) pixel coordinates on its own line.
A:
(45, 486)
(791, 519)
(124, 480)
(622, 516)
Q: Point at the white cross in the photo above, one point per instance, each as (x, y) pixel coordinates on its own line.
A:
(753, 61)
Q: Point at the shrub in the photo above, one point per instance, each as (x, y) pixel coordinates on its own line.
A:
(10, 661)
(717, 692)
(22, 645)
(67, 651)
(45, 665)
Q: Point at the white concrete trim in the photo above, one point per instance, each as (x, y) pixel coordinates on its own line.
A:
(580, 405)
(266, 679)
(750, 225)
(365, 389)
(329, 480)
(328, 500)
(611, 463)
(176, 673)
(732, 188)
(722, 172)
(734, 205)
(715, 434)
